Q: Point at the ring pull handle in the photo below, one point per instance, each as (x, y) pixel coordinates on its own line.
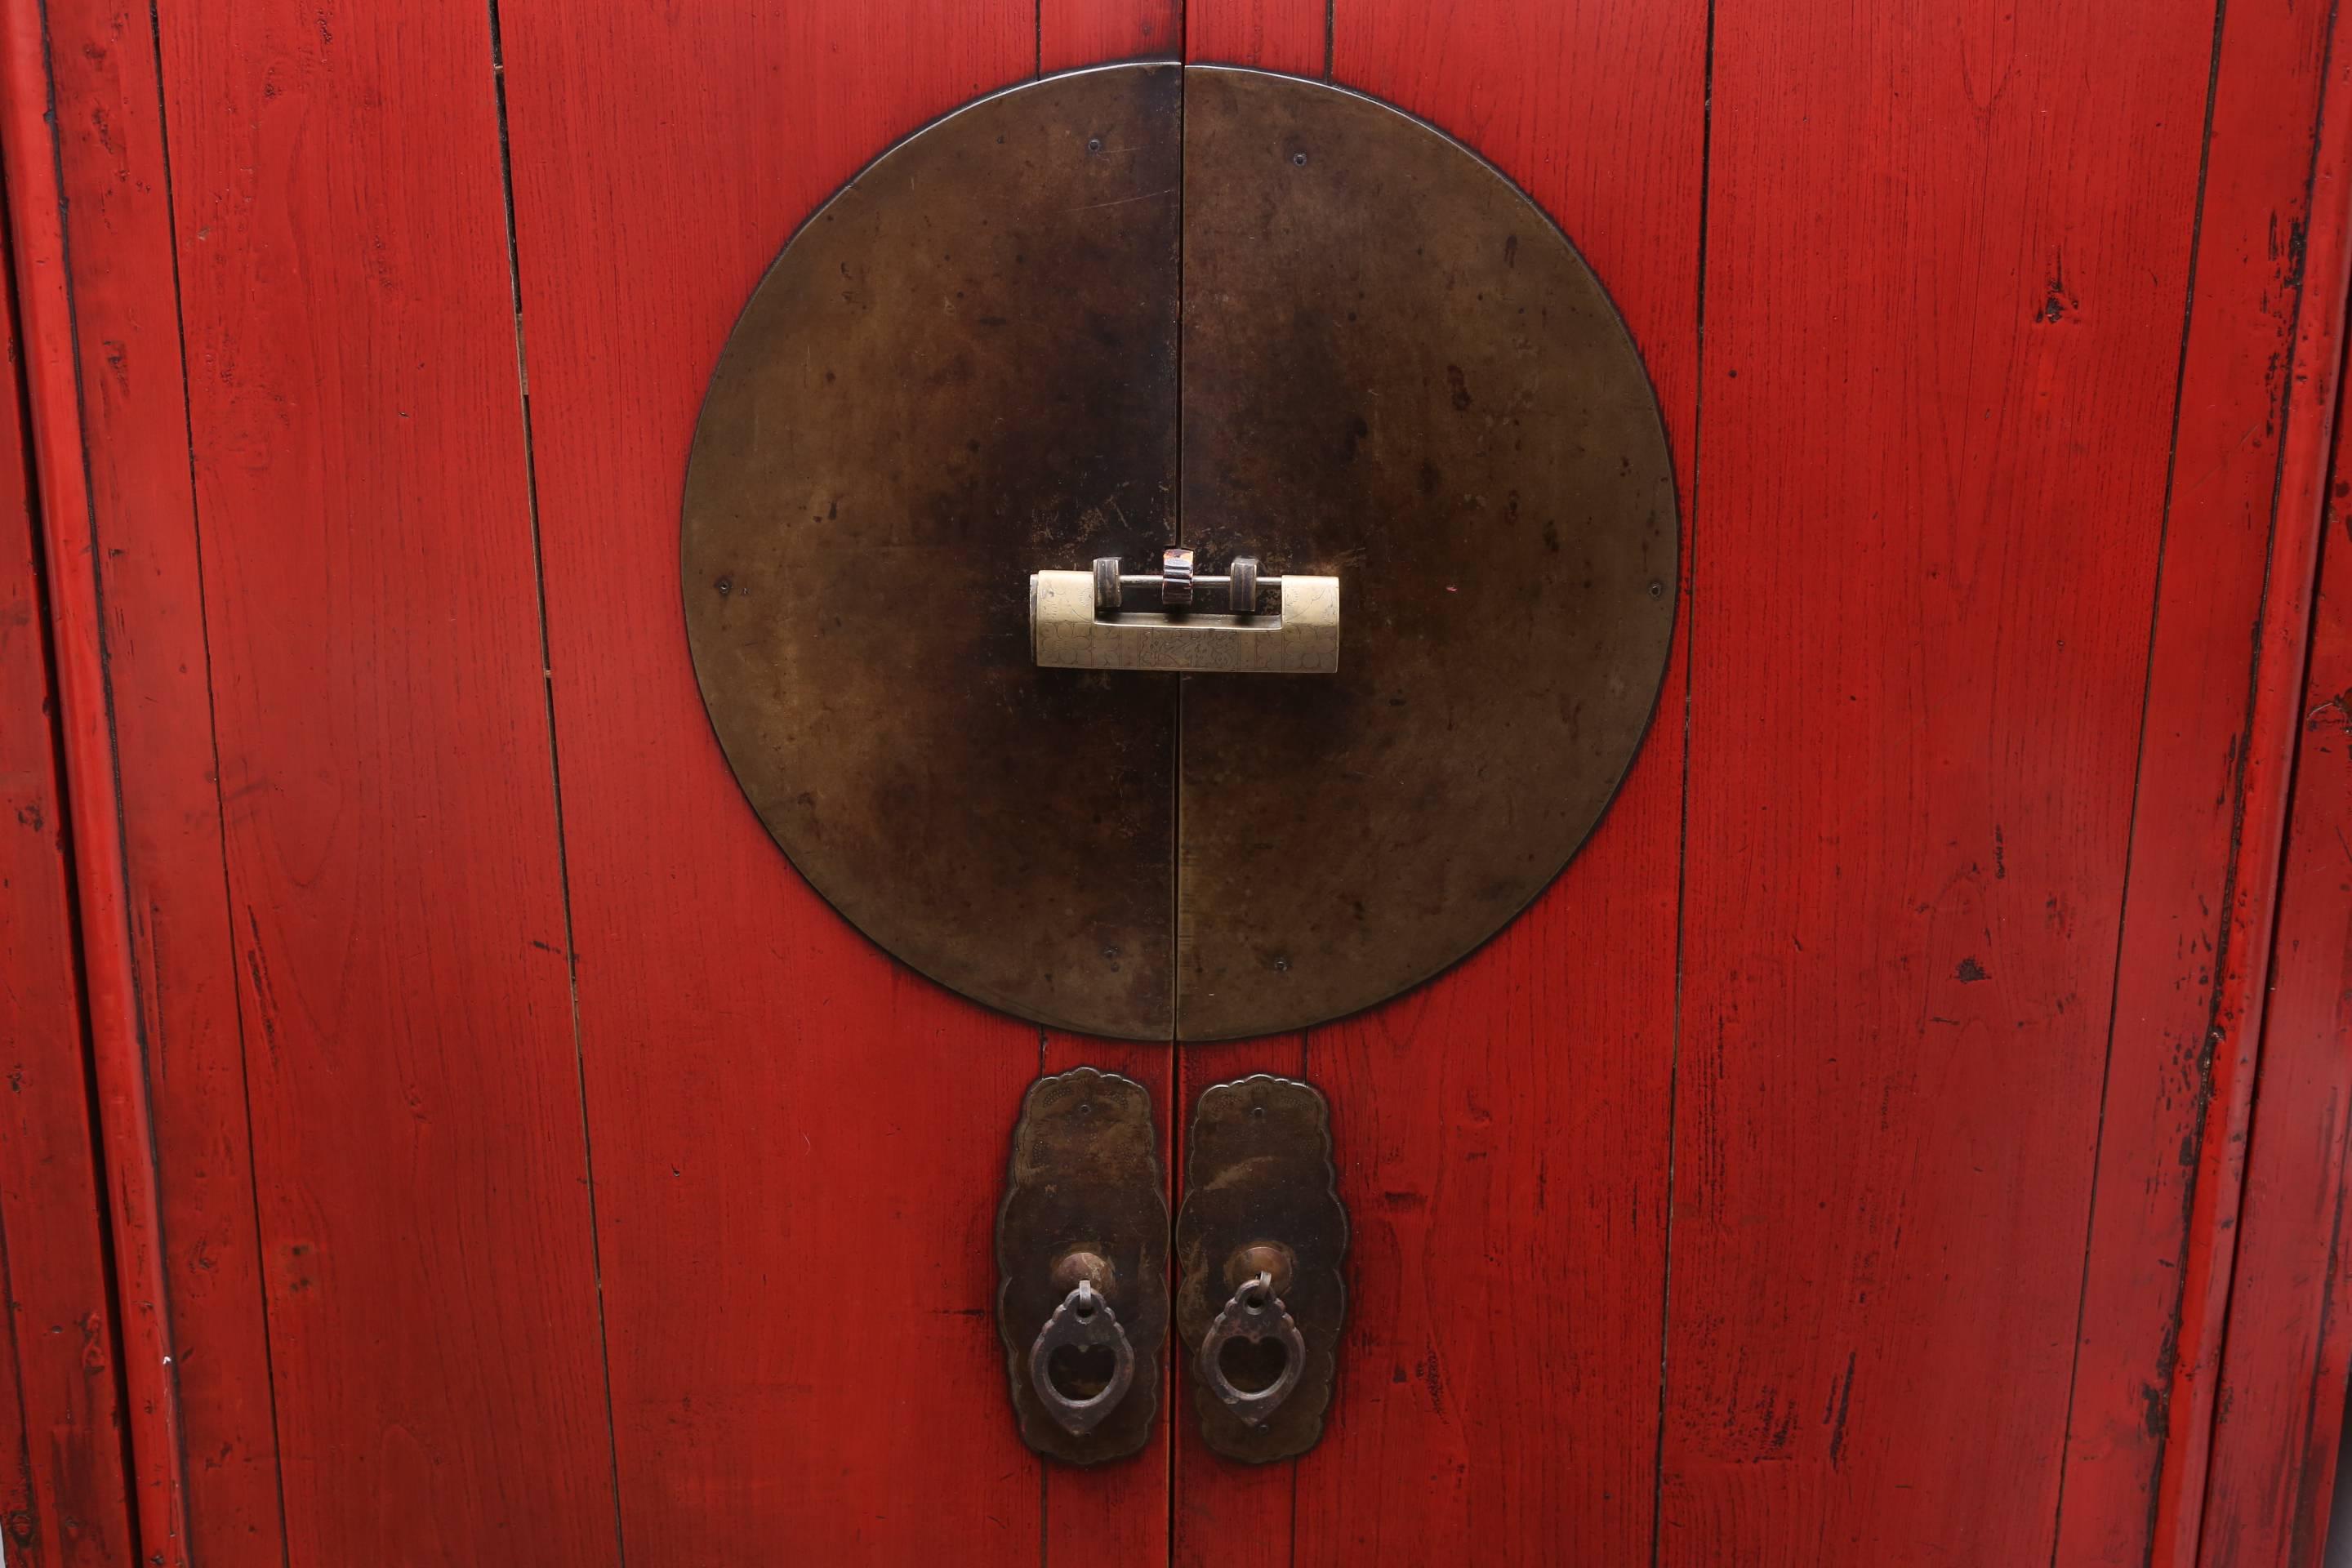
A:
(1083, 1324)
(1253, 1315)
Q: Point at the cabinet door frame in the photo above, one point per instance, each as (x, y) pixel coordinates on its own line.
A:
(65, 1487)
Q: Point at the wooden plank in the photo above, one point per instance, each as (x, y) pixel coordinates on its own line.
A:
(2279, 1379)
(1072, 33)
(19, 1496)
(33, 151)
(2281, 646)
(391, 854)
(2204, 834)
(2280, 1397)
(1503, 1132)
(1947, 258)
(134, 434)
(791, 1132)
(1290, 35)
(65, 1497)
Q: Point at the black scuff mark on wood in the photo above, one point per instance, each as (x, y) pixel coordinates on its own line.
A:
(1838, 1412)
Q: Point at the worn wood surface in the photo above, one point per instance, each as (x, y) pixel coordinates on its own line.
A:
(71, 483)
(2281, 1381)
(1073, 33)
(1932, 479)
(437, 899)
(775, 1111)
(1291, 35)
(2201, 851)
(134, 431)
(397, 917)
(2278, 1379)
(65, 1500)
(2281, 650)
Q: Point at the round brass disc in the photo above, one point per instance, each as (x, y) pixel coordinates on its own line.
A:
(1395, 370)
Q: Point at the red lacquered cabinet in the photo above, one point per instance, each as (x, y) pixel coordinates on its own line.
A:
(443, 1128)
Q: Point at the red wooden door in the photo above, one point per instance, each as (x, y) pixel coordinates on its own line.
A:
(514, 1160)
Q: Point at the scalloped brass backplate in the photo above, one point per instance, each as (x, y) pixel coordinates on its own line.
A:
(1085, 1201)
(1259, 1241)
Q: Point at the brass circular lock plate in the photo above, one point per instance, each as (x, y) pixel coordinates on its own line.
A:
(1123, 309)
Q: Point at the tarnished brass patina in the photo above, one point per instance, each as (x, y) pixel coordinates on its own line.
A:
(1259, 1241)
(1396, 374)
(963, 366)
(1081, 1248)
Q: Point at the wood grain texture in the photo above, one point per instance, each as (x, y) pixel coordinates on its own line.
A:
(65, 1497)
(1502, 1133)
(2281, 1379)
(394, 869)
(110, 160)
(1074, 33)
(1290, 35)
(34, 152)
(2203, 840)
(1946, 261)
(780, 1116)
(2314, 355)
(2277, 1381)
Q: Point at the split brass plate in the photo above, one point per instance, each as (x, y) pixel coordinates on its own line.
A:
(1395, 371)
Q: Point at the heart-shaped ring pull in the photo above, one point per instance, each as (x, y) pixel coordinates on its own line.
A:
(1084, 1323)
(1253, 1315)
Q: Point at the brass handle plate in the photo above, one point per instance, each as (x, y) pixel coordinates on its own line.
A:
(1260, 1239)
(1081, 1243)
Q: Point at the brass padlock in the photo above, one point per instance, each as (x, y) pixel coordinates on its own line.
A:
(1080, 620)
